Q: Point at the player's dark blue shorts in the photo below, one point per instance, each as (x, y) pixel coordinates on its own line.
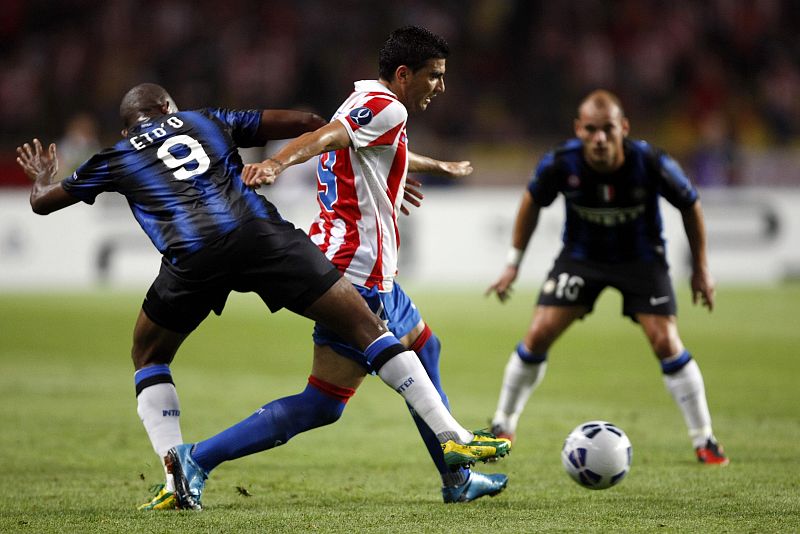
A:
(271, 258)
(645, 286)
(395, 309)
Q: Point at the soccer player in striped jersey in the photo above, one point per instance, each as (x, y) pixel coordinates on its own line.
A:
(181, 174)
(612, 237)
(363, 158)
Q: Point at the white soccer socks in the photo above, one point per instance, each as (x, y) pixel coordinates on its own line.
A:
(520, 379)
(159, 410)
(405, 374)
(687, 388)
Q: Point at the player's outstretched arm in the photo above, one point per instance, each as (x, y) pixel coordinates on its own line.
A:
(452, 169)
(332, 136)
(702, 282)
(417, 163)
(524, 225)
(41, 167)
(287, 124)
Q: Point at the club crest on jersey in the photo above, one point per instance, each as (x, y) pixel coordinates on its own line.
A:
(605, 192)
(361, 116)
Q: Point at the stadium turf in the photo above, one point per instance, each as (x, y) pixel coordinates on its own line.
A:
(74, 458)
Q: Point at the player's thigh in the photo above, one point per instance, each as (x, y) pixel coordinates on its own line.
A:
(174, 306)
(152, 343)
(336, 369)
(409, 339)
(342, 310)
(549, 322)
(392, 309)
(397, 311)
(288, 271)
(568, 293)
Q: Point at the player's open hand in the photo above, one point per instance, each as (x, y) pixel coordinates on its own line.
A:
(257, 174)
(703, 288)
(502, 287)
(456, 169)
(412, 195)
(39, 166)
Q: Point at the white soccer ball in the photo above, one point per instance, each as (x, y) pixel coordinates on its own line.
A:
(597, 454)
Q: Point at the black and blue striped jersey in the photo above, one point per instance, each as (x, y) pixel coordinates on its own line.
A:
(181, 175)
(612, 217)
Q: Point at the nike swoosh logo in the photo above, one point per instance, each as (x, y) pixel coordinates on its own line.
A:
(655, 301)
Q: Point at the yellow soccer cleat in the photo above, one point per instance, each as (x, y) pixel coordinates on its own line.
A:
(162, 500)
(484, 447)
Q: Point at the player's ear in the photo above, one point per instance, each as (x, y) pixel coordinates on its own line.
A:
(402, 73)
(172, 107)
(576, 124)
(626, 127)
(124, 132)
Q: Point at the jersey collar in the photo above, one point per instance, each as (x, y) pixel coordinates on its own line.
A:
(373, 86)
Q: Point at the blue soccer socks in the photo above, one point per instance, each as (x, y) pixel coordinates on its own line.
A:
(382, 350)
(675, 363)
(275, 423)
(529, 357)
(151, 375)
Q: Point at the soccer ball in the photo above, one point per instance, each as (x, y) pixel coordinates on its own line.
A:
(597, 454)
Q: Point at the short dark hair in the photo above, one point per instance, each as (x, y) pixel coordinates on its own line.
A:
(411, 46)
(140, 101)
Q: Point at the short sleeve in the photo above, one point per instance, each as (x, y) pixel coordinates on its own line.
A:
(544, 184)
(90, 179)
(377, 122)
(243, 124)
(675, 186)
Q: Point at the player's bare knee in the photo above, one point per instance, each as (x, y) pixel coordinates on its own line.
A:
(665, 345)
(343, 310)
(370, 327)
(540, 338)
(154, 350)
(333, 368)
(144, 358)
(359, 329)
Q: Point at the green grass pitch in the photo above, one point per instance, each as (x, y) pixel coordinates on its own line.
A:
(74, 458)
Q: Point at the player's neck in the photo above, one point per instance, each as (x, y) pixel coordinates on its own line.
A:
(606, 169)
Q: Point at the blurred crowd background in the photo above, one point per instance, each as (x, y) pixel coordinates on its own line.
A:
(715, 82)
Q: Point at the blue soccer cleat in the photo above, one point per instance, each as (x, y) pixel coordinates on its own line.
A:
(189, 477)
(477, 486)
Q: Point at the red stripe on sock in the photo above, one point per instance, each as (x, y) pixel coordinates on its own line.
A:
(332, 390)
(422, 339)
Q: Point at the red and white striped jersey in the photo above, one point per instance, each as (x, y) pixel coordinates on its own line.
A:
(360, 188)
